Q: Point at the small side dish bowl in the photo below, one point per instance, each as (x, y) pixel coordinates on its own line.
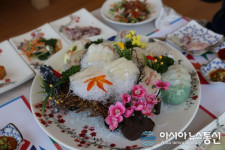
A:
(194, 38)
(214, 66)
(155, 7)
(10, 133)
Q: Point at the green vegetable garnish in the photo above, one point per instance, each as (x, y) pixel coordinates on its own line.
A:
(69, 72)
(160, 64)
(50, 89)
(93, 42)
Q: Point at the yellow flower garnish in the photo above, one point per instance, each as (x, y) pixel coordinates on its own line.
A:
(130, 34)
(136, 41)
(160, 57)
(161, 63)
(50, 98)
(155, 60)
(57, 102)
(120, 44)
(50, 85)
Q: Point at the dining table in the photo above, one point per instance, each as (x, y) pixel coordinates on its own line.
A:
(212, 96)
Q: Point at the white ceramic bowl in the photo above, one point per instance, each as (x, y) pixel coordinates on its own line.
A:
(155, 8)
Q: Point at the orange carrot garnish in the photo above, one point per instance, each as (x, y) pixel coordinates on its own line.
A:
(100, 80)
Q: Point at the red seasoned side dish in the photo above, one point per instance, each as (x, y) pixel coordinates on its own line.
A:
(7, 143)
(132, 11)
(218, 75)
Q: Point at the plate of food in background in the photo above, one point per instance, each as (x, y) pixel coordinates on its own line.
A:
(81, 24)
(131, 12)
(38, 45)
(13, 69)
(195, 39)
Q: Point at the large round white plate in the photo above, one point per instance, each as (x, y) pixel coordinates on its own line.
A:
(76, 131)
(155, 8)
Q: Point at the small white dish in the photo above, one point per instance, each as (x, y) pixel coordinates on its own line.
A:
(199, 36)
(213, 65)
(155, 8)
(17, 71)
(82, 18)
(47, 32)
(10, 130)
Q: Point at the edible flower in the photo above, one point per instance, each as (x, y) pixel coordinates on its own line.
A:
(160, 57)
(136, 41)
(116, 110)
(125, 98)
(99, 81)
(115, 115)
(129, 111)
(151, 99)
(130, 34)
(138, 91)
(139, 105)
(150, 57)
(113, 121)
(162, 85)
(148, 110)
(120, 44)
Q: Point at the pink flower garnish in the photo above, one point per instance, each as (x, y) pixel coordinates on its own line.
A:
(139, 105)
(116, 110)
(151, 99)
(33, 34)
(125, 98)
(162, 85)
(113, 121)
(148, 110)
(129, 111)
(138, 91)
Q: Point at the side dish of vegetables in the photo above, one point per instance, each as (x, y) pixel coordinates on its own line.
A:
(132, 11)
(41, 48)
